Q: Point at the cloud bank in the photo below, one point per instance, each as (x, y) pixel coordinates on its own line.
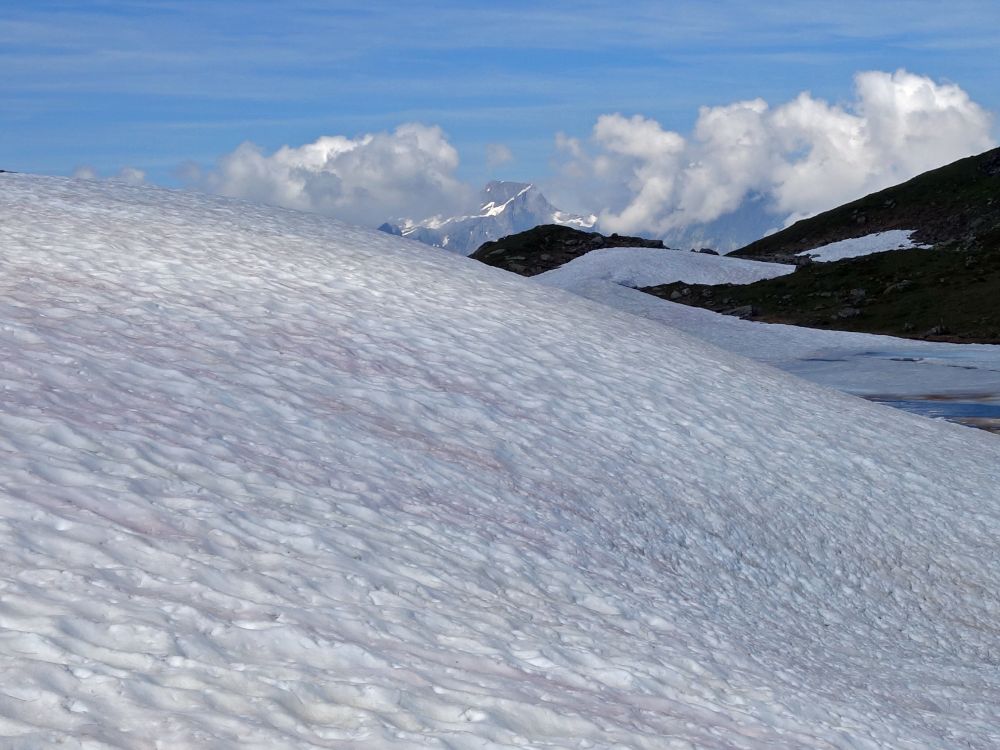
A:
(804, 156)
(796, 159)
(409, 172)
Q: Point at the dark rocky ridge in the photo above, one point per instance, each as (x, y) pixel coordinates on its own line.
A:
(549, 246)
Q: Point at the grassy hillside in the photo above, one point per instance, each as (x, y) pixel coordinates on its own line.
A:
(950, 292)
(944, 294)
(951, 205)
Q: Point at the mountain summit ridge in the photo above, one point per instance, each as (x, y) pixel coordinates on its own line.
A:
(504, 208)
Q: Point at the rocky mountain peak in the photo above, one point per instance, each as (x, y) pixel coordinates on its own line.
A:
(506, 208)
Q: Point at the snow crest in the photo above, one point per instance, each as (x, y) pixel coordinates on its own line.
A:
(269, 481)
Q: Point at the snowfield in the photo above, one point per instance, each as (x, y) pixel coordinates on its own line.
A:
(879, 242)
(643, 266)
(270, 481)
(858, 363)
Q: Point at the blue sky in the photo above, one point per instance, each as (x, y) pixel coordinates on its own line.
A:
(159, 83)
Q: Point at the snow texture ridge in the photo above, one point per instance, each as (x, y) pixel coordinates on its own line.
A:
(858, 363)
(270, 481)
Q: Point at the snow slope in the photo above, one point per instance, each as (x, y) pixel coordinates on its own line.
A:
(640, 266)
(269, 481)
(879, 242)
(858, 363)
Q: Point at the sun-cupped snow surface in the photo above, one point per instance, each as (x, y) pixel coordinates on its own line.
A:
(859, 363)
(879, 242)
(269, 481)
(642, 266)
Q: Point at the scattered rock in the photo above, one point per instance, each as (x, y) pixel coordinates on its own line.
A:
(744, 312)
(899, 286)
(845, 313)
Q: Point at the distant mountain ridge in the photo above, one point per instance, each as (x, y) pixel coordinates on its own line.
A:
(505, 208)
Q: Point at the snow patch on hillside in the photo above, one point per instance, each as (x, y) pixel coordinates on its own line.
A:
(270, 481)
(879, 242)
(640, 267)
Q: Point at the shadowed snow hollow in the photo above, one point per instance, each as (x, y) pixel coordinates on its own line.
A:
(269, 481)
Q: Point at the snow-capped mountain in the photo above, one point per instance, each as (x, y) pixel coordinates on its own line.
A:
(749, 222)
(272, 481)
(505, 208)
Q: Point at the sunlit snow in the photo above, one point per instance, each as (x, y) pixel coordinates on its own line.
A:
(640, 266)
(270, 481)
(879, 242)
(858, 363)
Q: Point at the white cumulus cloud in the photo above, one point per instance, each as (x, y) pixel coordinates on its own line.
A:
(804, 156)
(409, 172)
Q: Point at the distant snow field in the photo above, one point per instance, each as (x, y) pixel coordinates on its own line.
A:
(270, 481)
(880, 242)
(640, 267)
